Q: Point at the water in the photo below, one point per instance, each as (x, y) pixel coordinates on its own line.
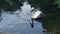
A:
(19, 22)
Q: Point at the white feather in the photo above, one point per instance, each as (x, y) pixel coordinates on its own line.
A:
(36, 14)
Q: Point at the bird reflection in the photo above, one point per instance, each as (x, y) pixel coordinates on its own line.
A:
(32, 24)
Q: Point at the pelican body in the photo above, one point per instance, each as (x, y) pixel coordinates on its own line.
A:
(37, 14)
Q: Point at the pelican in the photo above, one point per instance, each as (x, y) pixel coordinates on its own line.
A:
(35, 15)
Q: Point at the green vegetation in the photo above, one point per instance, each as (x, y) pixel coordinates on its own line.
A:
(46, 6)
(58, 2)
(10, 4)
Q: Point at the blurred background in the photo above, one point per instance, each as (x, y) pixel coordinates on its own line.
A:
(15, 20)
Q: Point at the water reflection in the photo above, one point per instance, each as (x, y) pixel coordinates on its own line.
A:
(20, 24)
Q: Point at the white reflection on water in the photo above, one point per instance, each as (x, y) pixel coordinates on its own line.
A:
(20, 24)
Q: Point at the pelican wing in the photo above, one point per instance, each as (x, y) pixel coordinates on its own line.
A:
(36, 14)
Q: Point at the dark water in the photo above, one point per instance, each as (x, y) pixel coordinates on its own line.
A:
(51, 20)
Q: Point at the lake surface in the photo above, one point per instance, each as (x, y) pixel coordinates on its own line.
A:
(19, 22)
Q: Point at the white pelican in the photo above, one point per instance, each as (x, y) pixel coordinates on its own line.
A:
(37, 14)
